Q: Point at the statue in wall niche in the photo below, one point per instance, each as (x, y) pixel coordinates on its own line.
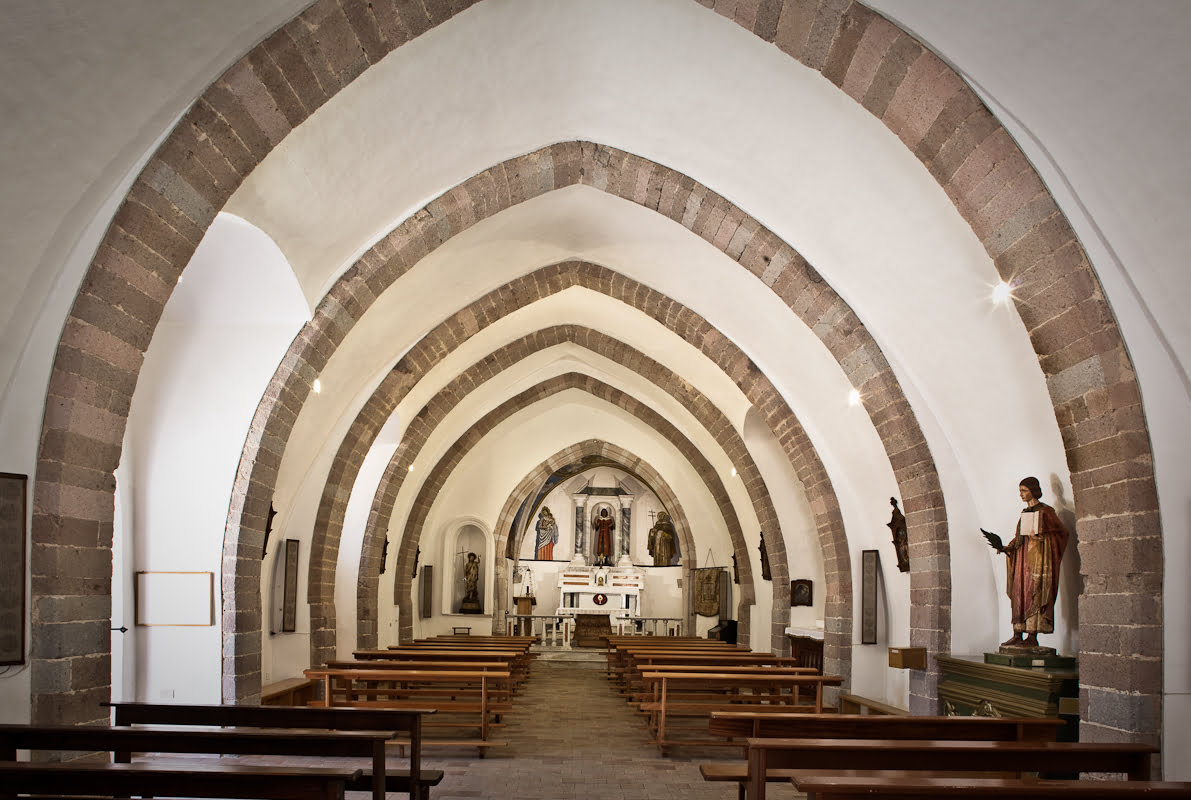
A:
(471, 586)
(603, 525)
(901, 536)
(547, 530)
(1032, 578)
(661, 540)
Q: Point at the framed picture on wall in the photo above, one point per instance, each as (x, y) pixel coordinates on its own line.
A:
(870, 569)
(12, 567)
(427, 592)
(176, 599)
(802, 592)
(289, 608)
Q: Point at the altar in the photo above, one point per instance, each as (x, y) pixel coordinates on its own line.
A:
(611, 591)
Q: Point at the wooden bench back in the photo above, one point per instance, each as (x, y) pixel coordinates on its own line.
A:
(224, 781)
(406, 721)
(902, 786)
(869, 726)
(983, 756)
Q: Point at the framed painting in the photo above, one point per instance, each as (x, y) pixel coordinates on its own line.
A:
(802, 592)
(427, 587)
(176, 599)
(12, 567)
(870, 569)
(289, 600)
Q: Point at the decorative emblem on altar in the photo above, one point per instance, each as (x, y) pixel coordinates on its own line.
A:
(600, 599)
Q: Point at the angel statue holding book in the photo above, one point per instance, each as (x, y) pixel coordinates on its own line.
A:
(1032, 579)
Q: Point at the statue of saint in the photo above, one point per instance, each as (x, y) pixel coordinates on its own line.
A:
(603, 525)
(901, 537)
(547, 530)
(1033, 575)
(661, 540)
(471, 579)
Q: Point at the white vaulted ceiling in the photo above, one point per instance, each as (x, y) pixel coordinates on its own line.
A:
(1094, 93)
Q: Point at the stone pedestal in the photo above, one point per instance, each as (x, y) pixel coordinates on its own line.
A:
(970, 686)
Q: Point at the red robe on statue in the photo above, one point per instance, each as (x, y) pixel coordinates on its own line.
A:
(603, 536)
(1032, 580)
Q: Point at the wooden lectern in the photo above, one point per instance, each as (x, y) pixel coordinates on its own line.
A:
(525, 604)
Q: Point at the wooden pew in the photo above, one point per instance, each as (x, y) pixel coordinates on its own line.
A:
(196, 780)
(855, 704)
(518, 662)
(123, 741)
(288, 692)
(746, 724)
(620, 649)
(911, 786)
(474, 698)
(406, 722)
(819, 755)
(637, 689)
(698, 694)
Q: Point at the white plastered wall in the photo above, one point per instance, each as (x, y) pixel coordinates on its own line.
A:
(223, 332)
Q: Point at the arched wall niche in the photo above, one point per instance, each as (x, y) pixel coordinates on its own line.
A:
(221, 139)
(462, 537)
(593, 451)
(523, 534)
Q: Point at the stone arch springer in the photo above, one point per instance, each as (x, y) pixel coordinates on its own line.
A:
(295, 71)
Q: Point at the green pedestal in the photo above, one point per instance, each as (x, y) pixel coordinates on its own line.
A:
(970, 686)
(1050, 662)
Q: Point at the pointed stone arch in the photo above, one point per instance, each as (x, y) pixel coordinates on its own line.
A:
(423, 424)
(832, 539)
(260, 99)
(690, 326)
(631, 463)
(438, 475)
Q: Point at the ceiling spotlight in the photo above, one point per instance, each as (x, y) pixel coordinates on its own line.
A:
(411, 467)
(854, 397)
(733, 472)
(1002, 292)
(318, 386)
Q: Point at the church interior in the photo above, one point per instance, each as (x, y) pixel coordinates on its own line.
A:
(331, 326)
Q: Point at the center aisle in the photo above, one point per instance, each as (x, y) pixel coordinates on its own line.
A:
(571, 736)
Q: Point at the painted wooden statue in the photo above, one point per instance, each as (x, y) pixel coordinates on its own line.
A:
(1034, 554)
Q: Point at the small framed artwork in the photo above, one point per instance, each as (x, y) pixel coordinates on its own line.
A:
(427, 588)
(870, 569)
(179, 599)
(802, 592)
(289, 602)
(12, 567)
